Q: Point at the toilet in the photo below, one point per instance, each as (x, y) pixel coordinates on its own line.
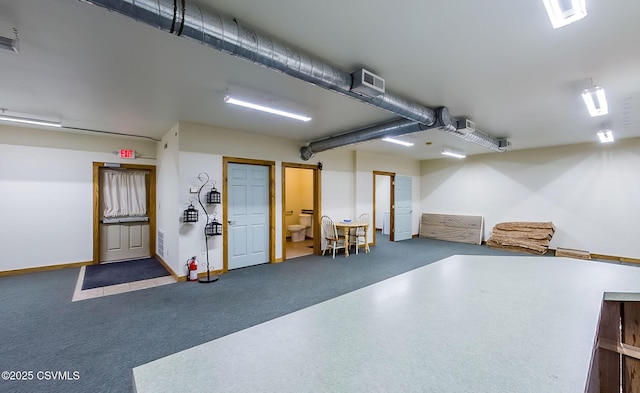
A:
(305, 221)
(297, 232)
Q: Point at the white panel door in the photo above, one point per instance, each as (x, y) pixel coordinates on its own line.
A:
(121, 242)
(124, 238)
(403, 208)
(248, 211)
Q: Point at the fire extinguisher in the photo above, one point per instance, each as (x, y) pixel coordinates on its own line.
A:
(192, 266)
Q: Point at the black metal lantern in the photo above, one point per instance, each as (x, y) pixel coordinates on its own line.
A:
(214, 228)
(190, 215)
(213, 196)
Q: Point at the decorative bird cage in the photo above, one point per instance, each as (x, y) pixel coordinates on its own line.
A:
(190, 214)
(213, 196)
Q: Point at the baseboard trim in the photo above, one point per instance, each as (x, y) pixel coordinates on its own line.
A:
(200, 275)
(166, 266)
(215, 272)
(43, 268)
(615, 258)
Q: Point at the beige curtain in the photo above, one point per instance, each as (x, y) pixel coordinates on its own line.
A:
(124, 193)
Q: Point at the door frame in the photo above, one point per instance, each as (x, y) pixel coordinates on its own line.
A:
(392, 184)
(316, 205)
(225, 214)
(151, 204)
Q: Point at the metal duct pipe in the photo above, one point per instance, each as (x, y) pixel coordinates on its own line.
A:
(389, 129)
(476, 137)
(183, 18)
(485, 140)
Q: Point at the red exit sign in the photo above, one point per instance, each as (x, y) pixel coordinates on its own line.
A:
(127, 153)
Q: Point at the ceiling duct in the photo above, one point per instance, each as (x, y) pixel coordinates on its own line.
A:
(367, 83)
(389, 129)
(10, 44)
(465, 131)
(184, 18)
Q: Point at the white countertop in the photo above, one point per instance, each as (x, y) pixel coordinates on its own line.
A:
(463, 324)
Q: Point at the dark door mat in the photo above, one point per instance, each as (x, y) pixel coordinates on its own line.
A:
(96, 276)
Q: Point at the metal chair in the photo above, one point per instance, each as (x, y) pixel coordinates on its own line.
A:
(330, 233)
(358, 237)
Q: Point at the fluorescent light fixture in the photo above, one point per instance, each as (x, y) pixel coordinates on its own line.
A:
(279, 112)
(606, 136)
(27, 120)
(397, 141)
(596, 101)
(564, 12)
(453, 153)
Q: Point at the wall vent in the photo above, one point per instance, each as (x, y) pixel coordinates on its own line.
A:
(504, 143)
(160, 244)
(366, 83)
(466, 126)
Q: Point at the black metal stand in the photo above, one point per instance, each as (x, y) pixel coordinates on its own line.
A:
(209, 278)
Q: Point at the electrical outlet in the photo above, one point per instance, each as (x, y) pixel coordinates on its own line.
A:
(193, 190)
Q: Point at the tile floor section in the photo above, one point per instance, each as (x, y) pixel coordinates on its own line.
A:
(294, 250)
(80, 294)
(299, 249)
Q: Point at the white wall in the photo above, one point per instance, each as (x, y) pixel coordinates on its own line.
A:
(337, 176)
(590, 192)
(46, 184)
(338, 184)
(192, 239)
(212, 144)
(168, 213)
(367, 163)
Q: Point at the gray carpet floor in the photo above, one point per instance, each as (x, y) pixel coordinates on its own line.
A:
(98, 341)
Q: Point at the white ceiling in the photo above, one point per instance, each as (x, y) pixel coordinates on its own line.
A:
(498, 63)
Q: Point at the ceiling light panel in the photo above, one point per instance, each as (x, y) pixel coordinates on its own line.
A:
(564, 12)
(29, 120)
(596, 101)
(447, 151)
(265, 108)
(397, 141)
(605, 136)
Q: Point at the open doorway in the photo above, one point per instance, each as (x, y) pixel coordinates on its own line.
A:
(300, 208)
(383, 205)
